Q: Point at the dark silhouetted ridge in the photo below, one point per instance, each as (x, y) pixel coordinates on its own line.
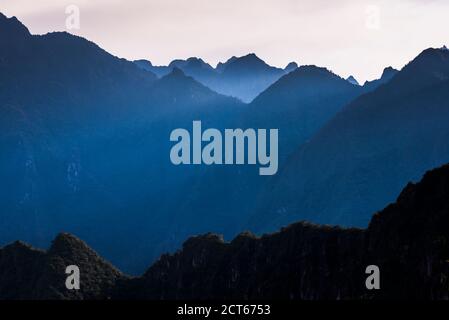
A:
(387, 74)
(11, 28)
(408, 240)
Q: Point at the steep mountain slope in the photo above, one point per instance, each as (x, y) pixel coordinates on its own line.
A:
(222, 198)
(352, 80)
(245, 77)
(194, 67)
(299, 104)
(362, 157)
(159, 71)
(84, 142)
(408, 241)
(27, 273)
(386, 76)
(241, 77)
(292, 66)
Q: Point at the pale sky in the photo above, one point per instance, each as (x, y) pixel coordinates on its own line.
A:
(358, 37)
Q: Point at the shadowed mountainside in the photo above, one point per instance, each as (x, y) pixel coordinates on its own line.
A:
(84, 142)
(408, 240)
(84, 145)
(298, 105)
(360, 160)
(241, 77)
(386, 76)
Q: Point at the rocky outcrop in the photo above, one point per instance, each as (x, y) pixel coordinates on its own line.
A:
(408, 241)
(300, 262)
(27, 273)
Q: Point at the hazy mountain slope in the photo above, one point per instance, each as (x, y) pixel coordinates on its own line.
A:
(292, 66)
(241, 77)
(160, 71)
(352, 80)
(386, 76)
(299, 104)
(408, 241)
(362, 157)
(222, 198)
(245, 77)
(84, 142)
(196, 68)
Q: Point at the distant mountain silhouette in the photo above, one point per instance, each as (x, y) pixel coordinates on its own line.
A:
(193, 67)
(241, 77)
(292, 66)
(386, 76)
(352, 80)
(362, 157)
(160, 71)
(245, 77)
(12, 29)
(222, 65)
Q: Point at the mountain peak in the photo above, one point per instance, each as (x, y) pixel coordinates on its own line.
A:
(312, 70)
(191, 63)
(388, 71)
(432, 53)
(251, 57)
(429, 67)
(387, 74)
(177, 72)
(11, 28)
(222, 65)
(291, 66)
(178, 63)
(143, 62)
(195, 60)
(249, 60)
(198, 63)
(65, 243)
(251, 64)
(352, 80)
(176, 77)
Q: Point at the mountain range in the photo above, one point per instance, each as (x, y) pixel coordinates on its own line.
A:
(360, 159)
(84, 144)
(408, 241)
(297, 105)
(241, 77)
(84, 140)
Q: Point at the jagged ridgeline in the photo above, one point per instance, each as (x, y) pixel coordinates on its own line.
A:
(84, 144)
(408, 240)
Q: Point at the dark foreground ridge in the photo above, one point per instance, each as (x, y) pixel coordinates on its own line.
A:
(408, 240)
